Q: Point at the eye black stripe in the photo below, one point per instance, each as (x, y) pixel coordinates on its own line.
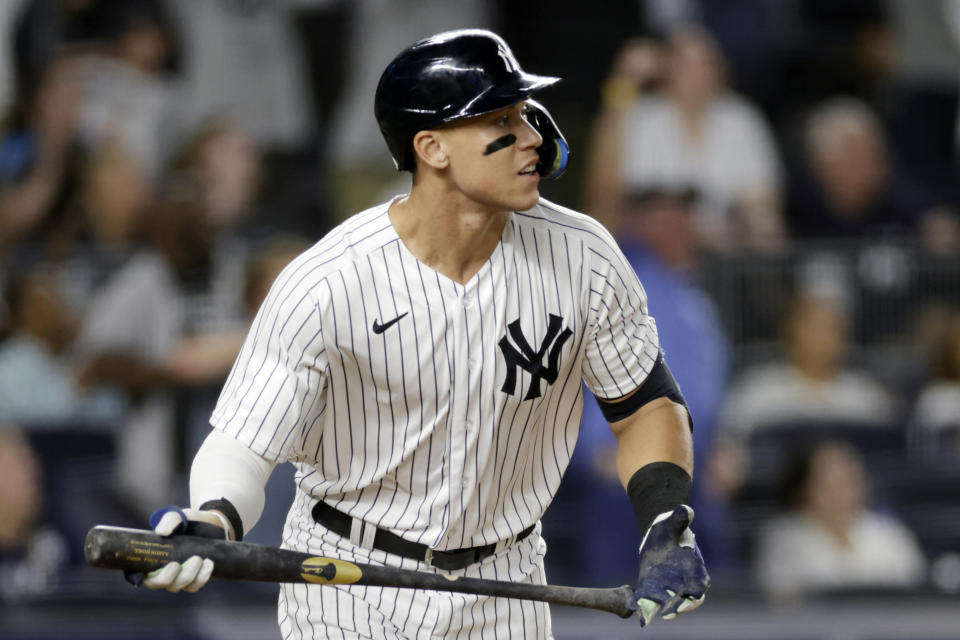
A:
(500, 143)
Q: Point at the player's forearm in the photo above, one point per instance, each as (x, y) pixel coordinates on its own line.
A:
(224, 468)
(655, 459)
(657, 432)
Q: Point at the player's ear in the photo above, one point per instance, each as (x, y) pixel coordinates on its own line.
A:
(427, 144)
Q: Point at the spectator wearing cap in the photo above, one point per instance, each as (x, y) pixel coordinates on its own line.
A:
(659, 240)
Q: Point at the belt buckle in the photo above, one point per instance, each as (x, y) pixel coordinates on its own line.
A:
(444, 560)
(452, 560)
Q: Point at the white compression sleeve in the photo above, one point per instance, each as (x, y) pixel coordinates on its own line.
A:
(226, 468)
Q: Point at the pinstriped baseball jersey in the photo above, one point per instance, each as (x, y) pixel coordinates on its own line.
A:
(443, 412)
(312, 611)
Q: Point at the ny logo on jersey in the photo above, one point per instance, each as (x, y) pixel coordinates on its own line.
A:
(532, 361)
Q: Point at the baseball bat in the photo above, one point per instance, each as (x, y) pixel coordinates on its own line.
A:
(143, 550)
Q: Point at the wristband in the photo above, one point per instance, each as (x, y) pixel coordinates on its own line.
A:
(226, 507)
(657, 488)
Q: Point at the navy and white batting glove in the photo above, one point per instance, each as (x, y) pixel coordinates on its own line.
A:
(194, 573)
(673, 578)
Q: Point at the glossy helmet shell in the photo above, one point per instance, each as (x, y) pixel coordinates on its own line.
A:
(446, 77)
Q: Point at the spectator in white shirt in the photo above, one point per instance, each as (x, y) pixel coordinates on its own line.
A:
(829, 538)
(668, 118)
(814, 381)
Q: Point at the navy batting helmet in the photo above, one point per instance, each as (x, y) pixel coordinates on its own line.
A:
(453, 75)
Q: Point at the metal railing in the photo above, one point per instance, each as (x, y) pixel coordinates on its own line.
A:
(889, 287)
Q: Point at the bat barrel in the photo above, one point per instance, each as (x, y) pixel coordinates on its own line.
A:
(128, 549)
(142, 550)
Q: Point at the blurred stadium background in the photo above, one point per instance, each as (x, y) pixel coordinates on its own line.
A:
(782, 174)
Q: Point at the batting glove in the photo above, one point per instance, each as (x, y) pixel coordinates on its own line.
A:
(673, 578)
(192, 574)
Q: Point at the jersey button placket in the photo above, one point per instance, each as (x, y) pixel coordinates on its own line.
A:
(469, 301)
(459, 413)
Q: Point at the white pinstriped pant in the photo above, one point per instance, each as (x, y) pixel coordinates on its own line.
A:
(382, 613)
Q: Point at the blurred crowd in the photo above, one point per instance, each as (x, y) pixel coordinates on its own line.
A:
(162, 160)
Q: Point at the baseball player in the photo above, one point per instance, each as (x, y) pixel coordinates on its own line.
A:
(421, 366)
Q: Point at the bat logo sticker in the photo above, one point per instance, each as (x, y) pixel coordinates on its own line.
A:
(319, 570)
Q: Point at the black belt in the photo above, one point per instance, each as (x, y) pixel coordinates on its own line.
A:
(340, 523)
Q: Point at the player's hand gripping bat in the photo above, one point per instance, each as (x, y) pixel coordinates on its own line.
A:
(143, 550)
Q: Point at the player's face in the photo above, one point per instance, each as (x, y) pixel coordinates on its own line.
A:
(493, 159)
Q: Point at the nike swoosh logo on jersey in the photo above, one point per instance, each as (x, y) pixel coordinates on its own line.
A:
(380, 328)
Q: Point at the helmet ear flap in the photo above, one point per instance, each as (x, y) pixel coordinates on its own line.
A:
(554, 152)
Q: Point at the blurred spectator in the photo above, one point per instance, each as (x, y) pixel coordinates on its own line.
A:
(755, 37)
(660, 243)
(46, 30)
(37, 388)
(38, 158)
(219, 172)
(935, 423)
(828, 538)
(32, 555)
(291, 52)
(127, 99)
(118, 53)
(101, 230)
(851, 188)
(222, 168)
(786, 56)
(229, 49)
(204, 294)
(813, 382)
(669, 119)
(114, 196)
(228, 168)
(131, 325)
